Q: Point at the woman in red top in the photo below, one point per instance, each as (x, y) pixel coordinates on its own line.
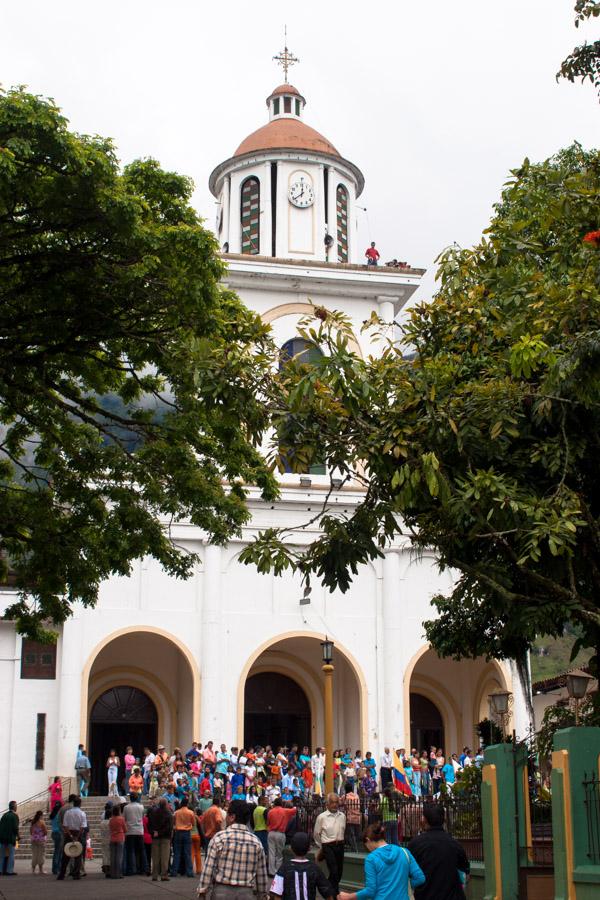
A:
(117, 828)
(55, 792)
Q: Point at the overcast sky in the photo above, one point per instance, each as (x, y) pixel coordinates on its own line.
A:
(434, 101)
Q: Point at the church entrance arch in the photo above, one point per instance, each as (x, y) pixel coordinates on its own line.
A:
(426, 724)
(297, 658)
(276, 711)
(444, 699)
(156, 665)
(121, 716)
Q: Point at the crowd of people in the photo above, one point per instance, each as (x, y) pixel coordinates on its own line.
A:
(240, 773)
(165, 811)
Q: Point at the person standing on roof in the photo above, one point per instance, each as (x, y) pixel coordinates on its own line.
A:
(372, 254)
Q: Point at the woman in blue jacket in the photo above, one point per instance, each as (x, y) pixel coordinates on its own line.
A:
(388, 869)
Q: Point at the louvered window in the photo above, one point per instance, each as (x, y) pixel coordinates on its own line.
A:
(250, 216)
(341, 206)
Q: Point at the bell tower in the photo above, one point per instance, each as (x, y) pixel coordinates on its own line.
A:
(287, 192)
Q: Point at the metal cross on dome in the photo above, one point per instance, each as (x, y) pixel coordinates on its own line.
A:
(285, 58)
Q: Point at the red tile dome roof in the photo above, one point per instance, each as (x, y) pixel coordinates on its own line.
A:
(285, 89)
(286, 134)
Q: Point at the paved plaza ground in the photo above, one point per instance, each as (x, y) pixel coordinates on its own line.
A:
(26, 886)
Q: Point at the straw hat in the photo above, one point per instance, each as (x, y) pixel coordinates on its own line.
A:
(73, 849)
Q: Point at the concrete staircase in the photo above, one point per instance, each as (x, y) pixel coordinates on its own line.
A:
(93, 808)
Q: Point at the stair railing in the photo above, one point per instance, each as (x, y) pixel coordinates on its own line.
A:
(26, 809)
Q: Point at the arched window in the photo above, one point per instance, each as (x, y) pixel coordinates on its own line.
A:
(250, 216)
(301, 351)
(306, 353)
(341, 209)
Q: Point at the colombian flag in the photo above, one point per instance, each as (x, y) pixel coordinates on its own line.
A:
(400, 780)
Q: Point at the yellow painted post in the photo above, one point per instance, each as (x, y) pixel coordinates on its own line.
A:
(328, 698)
(565, 887)
(491, 836)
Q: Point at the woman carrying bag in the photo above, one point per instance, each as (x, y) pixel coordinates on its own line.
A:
(389, 869)
(39, 836)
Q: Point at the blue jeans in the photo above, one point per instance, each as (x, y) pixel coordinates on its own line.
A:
(57, 854)
(263, 838)
(182, 844)
(7, 862)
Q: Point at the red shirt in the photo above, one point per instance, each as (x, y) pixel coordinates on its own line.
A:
(279, 818)
(372, 253)
(205, 785)
(212, 821)
(117, 828)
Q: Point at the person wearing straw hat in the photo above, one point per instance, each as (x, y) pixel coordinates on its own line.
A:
(74, 825)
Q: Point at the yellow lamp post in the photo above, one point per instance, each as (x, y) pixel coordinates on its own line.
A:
(328, 670)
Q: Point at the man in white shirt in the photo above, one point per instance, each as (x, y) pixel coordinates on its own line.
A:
(135, 858)
(74, 822)
(317, 765)
(273, 790)
(149, 758)
(386, 768)
(330, 828)
(287, 781)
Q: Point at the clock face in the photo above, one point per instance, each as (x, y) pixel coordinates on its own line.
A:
(301, 193)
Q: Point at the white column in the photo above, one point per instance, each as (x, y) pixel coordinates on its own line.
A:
(393, 669)
(9, 671)
(386, 312)
(265, 212)
(225, 199)
(281, 237)
(235, 228)
(319, 224)
(69, 701)
(522, 713)
(379, 722)
(332, 212)
(212, 664)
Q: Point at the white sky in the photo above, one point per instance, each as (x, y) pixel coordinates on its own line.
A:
(435, 102)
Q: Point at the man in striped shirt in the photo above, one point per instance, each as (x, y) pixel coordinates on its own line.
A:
(235, 866)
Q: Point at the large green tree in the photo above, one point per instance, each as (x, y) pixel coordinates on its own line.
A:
(482, 442)
(129, 379)
(584, 60)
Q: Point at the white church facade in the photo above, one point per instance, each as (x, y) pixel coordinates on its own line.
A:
(231, 655)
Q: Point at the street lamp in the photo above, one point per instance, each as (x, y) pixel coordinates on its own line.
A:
(500, 705)
(327, 648)
(577, 683)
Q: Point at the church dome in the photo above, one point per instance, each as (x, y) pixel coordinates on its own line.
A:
(284, 89)
(286, 134)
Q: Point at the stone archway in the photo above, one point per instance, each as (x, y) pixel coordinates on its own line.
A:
(455, 690)
(426, 723)
(153, 664)
(298, 656)
(122, 715)
(276, 711)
